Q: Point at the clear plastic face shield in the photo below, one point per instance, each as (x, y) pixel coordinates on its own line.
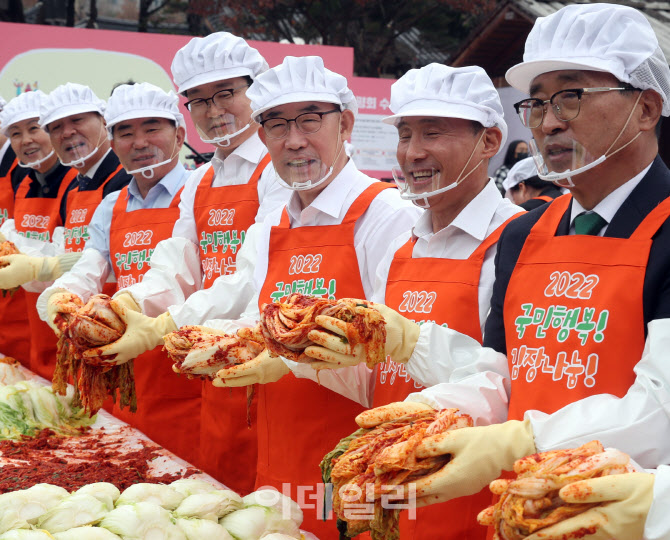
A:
(143, 152)
(38, 162)
(560, 158)
(78, 148)
(306, 170)
(212, 119)
(149, 159)
(420, 184)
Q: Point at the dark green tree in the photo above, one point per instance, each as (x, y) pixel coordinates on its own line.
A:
(388, 36)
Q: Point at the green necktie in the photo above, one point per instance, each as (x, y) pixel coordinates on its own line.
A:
(589, 223)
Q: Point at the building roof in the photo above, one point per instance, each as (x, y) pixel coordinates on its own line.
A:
(498, 43)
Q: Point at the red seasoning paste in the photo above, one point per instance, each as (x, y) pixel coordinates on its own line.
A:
(72, 462)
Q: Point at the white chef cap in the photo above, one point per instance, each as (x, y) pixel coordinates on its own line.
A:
(299, 79)
(522, 170)
(24, 106)
(142, 100)
(216, 57)
(596, 37)
(448, 92)
(67, 100)
(3, 102)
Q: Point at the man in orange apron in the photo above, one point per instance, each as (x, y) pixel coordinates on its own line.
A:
(524, 187)
(338, 218)
(336, 212)
(73, 117)
(450, 123)
(41, 185)
(14, 339)
(219, 203)
(147, 133)
(579, 282)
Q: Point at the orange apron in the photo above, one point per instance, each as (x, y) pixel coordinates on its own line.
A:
(223, 215)
(168, 406)
(574, 322)
(299, 422)
(37, 217)
(443, 291)
(15, 335)
(80, 208)
(545, 198)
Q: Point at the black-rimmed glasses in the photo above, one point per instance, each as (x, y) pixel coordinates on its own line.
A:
(222, 99)
(307, 123)
(565, 103)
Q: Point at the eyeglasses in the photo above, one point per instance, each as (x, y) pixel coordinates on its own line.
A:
(566, 105)
(222, 99)
(307, 123)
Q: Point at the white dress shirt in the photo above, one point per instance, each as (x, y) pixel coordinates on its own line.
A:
(483, 215)
(176, 269)
(89, 274)
(458, 240)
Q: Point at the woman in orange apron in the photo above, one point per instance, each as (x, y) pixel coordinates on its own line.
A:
(37, 217)
(15, 336)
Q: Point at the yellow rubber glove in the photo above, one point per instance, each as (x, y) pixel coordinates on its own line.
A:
(629, 497)
(373, 417)
(478, 455)
(61, 301)
(127, 301)
(22, 268)
(334, 352)
(261, 370)
(142, 334)
(3, 238)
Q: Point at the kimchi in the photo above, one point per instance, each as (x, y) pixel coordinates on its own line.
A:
(201, 352)
(286, 326)
(531, 501)
(93, 325)
(379, 462)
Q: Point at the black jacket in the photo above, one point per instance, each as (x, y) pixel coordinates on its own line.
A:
(652, 189)
(107, 167)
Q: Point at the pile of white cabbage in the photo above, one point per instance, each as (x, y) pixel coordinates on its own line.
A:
(187, 509)
(10, 372)
(27, 407)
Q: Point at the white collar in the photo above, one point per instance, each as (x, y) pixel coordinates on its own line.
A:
(474, 219)
(91, 172)
(251, 150)
(331, 199)
(610, 205)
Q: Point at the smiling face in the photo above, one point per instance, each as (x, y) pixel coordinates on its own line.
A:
(299, 157)
(31, 143)
(433, 151)
(212, 121)
(601, 119)
(75, 137)
(141, 142)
